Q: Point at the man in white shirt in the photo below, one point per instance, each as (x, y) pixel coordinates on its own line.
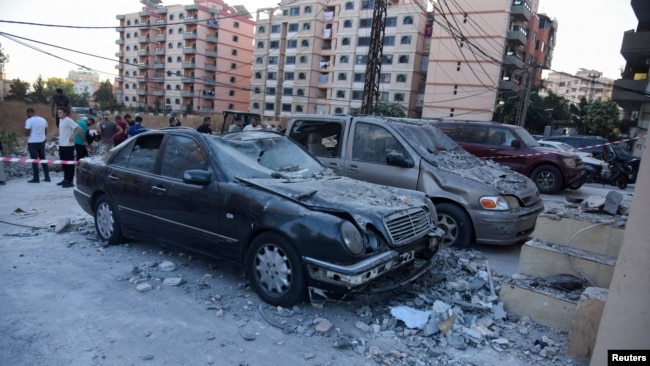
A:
(36, 133)
(255, 125)
(68, 129)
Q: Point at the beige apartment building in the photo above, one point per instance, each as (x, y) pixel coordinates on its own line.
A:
(478, 53)
(191, 58)
(589, 84)
(310, 56)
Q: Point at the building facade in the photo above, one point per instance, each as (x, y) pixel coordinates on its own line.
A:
(588, 84)
(310, 56)
(632, 91)
(190, 58)
(481, 53)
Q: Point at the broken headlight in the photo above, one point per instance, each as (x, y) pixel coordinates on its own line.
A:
(352, 238)
(499, 203)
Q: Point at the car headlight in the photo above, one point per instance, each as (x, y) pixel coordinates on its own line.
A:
(352, 238)
(432, 210)
(570, 162)
(499, 203)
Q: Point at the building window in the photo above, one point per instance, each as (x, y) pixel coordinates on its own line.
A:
(391, 22)
(168, 101)
(171, 31)
(361, 60)
(345, 41)
(398, 97)
(387, 60)
(231, 93)
(359, 77)
(363, 41)
(357, 95)
(272, 76)
(233, 66)
(233, 52)
(235, 38)
(235, 24)
(179, 59)
(304, 43)
(287, 91)
(259, 60)
(275, 28)
(343, 76)
(261, 29)
(260, 45)
(273, 60)
(270, 91)
(170, 45)
(179, 45)
(306, 26)
(268, 107)
(274, 45)
(293, 27)
(302, 76)
(257, 90)
(300, 92)
(258, 75)
(256, 105)
(177, 101)
(408, 20)
(347, 24)
(404, 59)
(340, 94)
(406, 40)
(288, 76)
(401, 78)
(290, 60)
(169, 59)
(307, 9)
(365, 23)
(384, 77)
(367, 4)
(292, 43)
(303, 59)
(349, 5)
(232, 79)
(389, 41)
(344, 59)
(298, 109)
(286, 107)
(231, 106)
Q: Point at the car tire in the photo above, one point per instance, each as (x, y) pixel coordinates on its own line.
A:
(275, 271)
(621, 182)
(547, 178)
(456, 224)
(107, 223)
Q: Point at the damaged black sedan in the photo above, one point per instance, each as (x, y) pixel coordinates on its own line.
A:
(259, 200)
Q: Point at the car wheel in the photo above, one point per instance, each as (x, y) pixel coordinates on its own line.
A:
(547, 178)
(621, 182)
(106, 221)
(275, 271)
(456, 224)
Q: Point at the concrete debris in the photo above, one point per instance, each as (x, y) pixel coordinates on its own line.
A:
(167, 266)
(172, 281)
(414, 319)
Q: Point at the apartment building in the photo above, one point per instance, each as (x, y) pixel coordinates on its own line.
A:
(190, 58)
(310, 56)
(585, 83)
(478, 53)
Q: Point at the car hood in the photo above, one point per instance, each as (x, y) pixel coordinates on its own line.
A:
(548, 150)
(360, 199)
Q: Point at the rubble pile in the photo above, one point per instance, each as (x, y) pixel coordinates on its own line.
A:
(21, 170)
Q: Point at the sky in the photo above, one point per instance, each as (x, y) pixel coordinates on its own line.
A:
(589, 34)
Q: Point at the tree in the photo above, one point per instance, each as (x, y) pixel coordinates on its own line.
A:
(507, 111)
(39, 93)
(4, 58)
(53, 83)
(18, 90)
(578, 113)
(551, 110)
(389, 109)
(602, 119)
(104, 96)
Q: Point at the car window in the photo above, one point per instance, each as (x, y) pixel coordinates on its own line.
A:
(471, 134)
(139, 155)
(373, 143)
(181, 153)
(497, 137)
(319, 138)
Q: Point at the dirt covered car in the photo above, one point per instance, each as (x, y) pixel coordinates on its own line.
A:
(259, 200)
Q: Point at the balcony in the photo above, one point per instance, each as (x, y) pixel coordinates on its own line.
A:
(158, 79)
(119, 79)
(119, 54)
(518, 36)
(191, 20)
(212, 39)
(189, 35)
(191, 51)
(187, 94)
(629, 94)
(207, 95)
(120, 17)
(142, 92)
(508, 85)
(192, 7)
(120, 29)
(158, 65)
(212, 23)
(520, 10)
(635, 49)
(210, 67)
(161, 22)
(512, 60)
(141, 65)
(119, 66)
(160, 37)
(144, 13)
(211, 53)
(119, 41)
(161, 10)
(189, 65)
(143, 53)
(210, 82)
(207, 109)
(142, 79)
(187, 79)
(159, 93)
(143, 39)
(159, 52)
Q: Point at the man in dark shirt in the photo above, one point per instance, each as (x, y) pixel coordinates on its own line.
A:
(137, 128)
(205, 127)
(60, 100)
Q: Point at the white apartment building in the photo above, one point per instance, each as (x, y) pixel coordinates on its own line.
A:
(589, 84)
(194, 57)
(310, 56)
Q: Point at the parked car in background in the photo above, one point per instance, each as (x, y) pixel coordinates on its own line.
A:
(476, 201)
(259, 200)
(514, 147)
(564, 147)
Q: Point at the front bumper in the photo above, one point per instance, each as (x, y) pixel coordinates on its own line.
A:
(505, 227)
(330, 276)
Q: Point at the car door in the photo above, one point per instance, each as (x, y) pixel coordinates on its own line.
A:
(367, 157)
(323, 139)
(185, 214)
(499, 148)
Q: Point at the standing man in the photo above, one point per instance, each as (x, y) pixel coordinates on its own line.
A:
(80, 141)
(107, 129)
(60, 100)
(119, 137)
(36, 133)
(255, 125)
(137, 127)
(173, 120)
(205, 127)
(68, 129)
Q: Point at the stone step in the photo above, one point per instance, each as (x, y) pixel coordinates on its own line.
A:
(602, 235)
(585, 323)
(541, 259)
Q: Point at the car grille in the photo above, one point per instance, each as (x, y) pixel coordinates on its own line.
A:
(404, 226)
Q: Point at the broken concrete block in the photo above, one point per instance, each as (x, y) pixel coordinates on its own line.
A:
(605, 239)
(584, 327)
(612, 202)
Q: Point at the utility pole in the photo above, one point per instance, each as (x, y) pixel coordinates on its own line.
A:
(593, 78)
(375, 53)
(529, 89)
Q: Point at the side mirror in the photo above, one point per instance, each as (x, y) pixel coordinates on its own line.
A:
(197, 177)
(515, 143)
(397, 159)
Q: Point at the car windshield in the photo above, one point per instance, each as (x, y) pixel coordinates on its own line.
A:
(261, 154)
(526, 138)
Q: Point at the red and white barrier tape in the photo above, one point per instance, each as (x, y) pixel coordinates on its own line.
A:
(563, 150)
(39, 161)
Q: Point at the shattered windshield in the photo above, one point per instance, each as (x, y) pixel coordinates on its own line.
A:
(259, 154)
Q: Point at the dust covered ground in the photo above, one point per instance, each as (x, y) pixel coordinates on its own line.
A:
(68, 300)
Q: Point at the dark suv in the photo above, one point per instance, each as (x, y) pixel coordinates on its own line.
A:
(514, 147)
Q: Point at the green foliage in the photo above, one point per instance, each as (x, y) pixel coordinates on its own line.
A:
(602, 119)
(9, 142)
(104, 95)
(18, 90)
(389, 109)
(4, 58)
(53, 83)
(39, 93)
(507, 112)
(551, 110)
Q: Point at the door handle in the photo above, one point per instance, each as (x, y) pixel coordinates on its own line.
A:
(158, 190)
